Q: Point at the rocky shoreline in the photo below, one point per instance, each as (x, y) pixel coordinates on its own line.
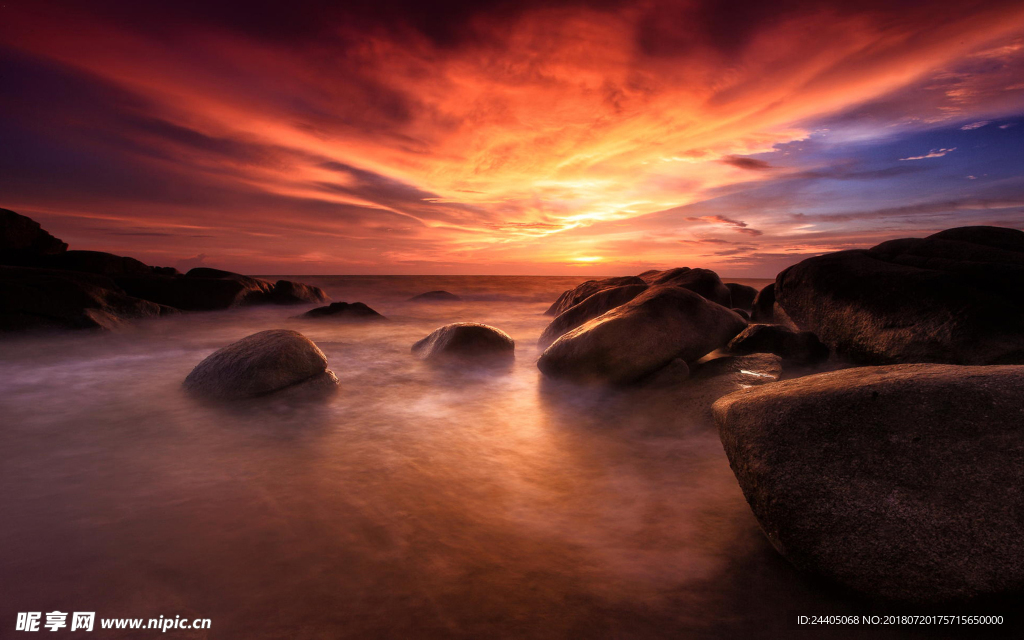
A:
(904, 481)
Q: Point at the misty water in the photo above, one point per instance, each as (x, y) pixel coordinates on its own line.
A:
(416, 502)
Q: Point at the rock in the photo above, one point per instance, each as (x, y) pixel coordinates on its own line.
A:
(260, 364)
(581, 292)
(49, 299)
(466, 341)
(344, 311)
(763, 309)
(902, 482)
(741, 313)
(191, 293)
(800, 347)
(255, 290)
(288, 292)
(640, 337)
(951, 297)
(717, 377)
(702, 281)
(742, 296)
(21, 238)
(99, 262)
(590, 308)
(671, 375)
(435, 296)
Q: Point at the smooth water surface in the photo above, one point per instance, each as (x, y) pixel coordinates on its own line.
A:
(415, 503)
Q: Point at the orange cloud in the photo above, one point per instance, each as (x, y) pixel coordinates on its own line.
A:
(521, 143)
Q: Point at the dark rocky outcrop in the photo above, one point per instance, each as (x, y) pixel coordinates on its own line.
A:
(98, 262)
(640, 337)
(741, 313)
(259, 364)
(581, 292)
(597, 304)
(800, 347)
(701, 281)
(74, 289)
(763, 309)
(21, 239)
(951, 297)
(49, 299)
(466, 341)
(902, 482)
(742, 296)
(194, 293)
(356, 311)
(435, 296)
(289, 292)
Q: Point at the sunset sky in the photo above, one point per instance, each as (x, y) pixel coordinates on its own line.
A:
(525, 138)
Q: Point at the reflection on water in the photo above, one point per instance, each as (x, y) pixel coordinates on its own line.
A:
(417, 502)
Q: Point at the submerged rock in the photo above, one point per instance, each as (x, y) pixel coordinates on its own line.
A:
(953, 297)
(344, 311)
(435, 296)
(742, 296)
(640, 337)
(899, 481)
(260, 364)
(800, 347)
(466, 341)
(581, 292)
(590, 308)
(50, 299)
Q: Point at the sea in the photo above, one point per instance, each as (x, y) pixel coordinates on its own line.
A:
(416, 502)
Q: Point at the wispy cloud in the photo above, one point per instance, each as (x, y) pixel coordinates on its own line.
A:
(934, 153)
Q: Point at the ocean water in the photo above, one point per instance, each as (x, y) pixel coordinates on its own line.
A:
(415, 503)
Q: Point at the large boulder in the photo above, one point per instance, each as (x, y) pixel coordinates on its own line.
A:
(640, 337)
(742, 296)
(356, 311)
(289, 292)
(49, 299)
(763, 308)
(435, 296)
(597, 304)
(799, 347)
(952, 297)
(702, 281)
(466, 341)
(263, 363)
(22, 239)
(581, 292)
(898, 481)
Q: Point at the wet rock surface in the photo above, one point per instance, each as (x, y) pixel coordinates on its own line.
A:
(259, 364)
(901, 482)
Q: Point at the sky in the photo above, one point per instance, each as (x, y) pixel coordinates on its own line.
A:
(559, 137)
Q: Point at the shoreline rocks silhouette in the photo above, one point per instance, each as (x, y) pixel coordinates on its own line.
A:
(899, 481)
(952, 297)
(43, 285)
(260, 364)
